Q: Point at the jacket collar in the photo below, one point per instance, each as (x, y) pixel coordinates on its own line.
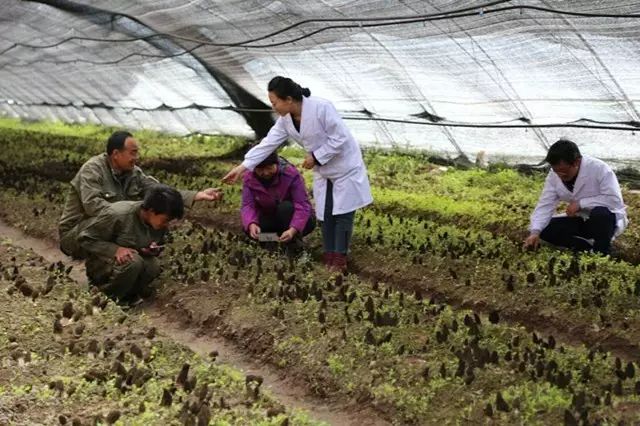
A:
(304, 113)
(582, 173)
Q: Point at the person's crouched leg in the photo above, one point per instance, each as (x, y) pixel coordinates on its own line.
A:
(601, 226)
(150, 272)
(295, 247)
(69, 244)
(561, 232)
(123, 281)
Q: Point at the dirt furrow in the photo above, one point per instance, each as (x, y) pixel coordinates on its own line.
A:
(544, 323)
(287, 391)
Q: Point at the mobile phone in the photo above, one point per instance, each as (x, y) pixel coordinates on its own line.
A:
(152, 250)
(268, 237)
(157, 249)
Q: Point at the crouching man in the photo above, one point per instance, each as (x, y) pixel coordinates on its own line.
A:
(125, 239)
(596, 212)
(107, 178)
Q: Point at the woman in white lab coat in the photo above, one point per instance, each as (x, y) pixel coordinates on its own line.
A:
(340, 182)
(595, 213)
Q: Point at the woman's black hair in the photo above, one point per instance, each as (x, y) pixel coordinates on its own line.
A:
(116, 141)
(284, 86)
(271, 159)
(163, 199)
(563, 150)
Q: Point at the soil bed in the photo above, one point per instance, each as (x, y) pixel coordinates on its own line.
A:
(203, 340)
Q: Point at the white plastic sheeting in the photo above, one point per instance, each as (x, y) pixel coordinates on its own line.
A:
(453, 62)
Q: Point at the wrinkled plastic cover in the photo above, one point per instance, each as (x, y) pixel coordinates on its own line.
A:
(509, 67)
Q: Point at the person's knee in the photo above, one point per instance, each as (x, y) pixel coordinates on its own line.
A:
(310, 226)
(602, 220)
(561, 228)
(285, 205)
(98, 271)
(65, 245)
(69, 243)
(547, 233)
(134, 266)
(284, 213)
(555, 235)
(601, 212)
(284, 209)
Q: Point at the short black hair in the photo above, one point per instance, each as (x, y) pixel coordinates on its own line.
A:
(563, 150)
(271, 159)
(117, 140)
(163, 199)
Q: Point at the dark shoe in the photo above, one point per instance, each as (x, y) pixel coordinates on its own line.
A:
(130, 302)
(148, 292)
(135, 302)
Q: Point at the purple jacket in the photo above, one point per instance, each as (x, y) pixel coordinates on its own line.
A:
(259, 200)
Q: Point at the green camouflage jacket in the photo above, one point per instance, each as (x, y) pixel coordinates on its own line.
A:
(118, 225)
(96, 185)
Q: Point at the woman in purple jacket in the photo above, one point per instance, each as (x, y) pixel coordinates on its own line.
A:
(274, 199)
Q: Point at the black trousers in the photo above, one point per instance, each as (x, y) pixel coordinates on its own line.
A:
(571, 232)
(281, 220)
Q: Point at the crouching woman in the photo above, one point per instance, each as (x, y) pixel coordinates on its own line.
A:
(274, 200)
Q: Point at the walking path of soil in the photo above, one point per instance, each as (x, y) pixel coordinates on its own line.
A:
(291, 394)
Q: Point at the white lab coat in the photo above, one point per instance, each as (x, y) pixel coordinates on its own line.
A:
(323, 133)
(596, 185)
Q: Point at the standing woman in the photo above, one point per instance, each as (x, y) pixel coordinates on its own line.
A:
(340, 182)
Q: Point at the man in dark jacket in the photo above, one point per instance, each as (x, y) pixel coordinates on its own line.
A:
(104, 179)
(274, 199)
(124, 240)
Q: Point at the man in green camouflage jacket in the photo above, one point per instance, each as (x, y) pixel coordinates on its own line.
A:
(104, 179)
(124, 240)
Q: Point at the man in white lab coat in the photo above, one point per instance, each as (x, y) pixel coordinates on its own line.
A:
(596, 212)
